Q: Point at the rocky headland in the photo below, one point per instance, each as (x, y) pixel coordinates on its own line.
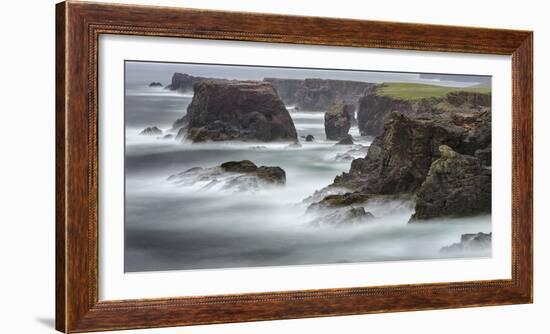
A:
(439, 157)
(184, 82)
(375, 108)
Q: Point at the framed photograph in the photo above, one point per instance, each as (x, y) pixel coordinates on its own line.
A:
(223, 167)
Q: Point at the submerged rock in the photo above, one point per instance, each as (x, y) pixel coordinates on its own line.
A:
(470, 243)
(344, 217)
(318, 195)
(168, 136)
(340, 200)
(243, 166)
(155, 84)
(346, 140)
(337, 122)
(238, 110)
(232, 175)
(343, 157)
(258, 148)
(310, 138)
(151, 131)
(270, 174)
(456, 186)
(296, 144)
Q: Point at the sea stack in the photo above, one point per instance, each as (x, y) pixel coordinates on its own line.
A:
(238, 110)
(337, 122)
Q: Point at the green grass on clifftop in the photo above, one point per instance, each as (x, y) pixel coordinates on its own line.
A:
(414, 91)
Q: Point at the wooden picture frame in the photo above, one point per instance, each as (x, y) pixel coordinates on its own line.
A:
(78, 26)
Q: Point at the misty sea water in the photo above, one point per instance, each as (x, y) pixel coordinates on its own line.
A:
(170, 227)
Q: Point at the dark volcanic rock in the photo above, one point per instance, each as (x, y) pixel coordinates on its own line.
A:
(310, 138)
(168, 136)
(341, 209)
(151, 131)
(347, 140)
(271, 174)
(399, 160)
(319, 94)
(244, 166)
(469, 99)
(238, 110)
(337, 122)
(232, 175)
(456, 186)
(274, 175)
(375, 110)
(477, 131)
(155, 84)
(470, 243)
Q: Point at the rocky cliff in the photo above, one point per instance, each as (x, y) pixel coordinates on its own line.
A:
(375, 108)
(238, 110)
(319, 94)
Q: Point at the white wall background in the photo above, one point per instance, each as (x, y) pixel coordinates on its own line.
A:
(27, 72)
